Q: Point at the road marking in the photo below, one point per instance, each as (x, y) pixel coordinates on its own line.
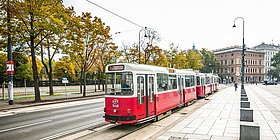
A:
(23, 126)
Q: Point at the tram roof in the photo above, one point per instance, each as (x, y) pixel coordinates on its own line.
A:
(185, 71)
(138, 67)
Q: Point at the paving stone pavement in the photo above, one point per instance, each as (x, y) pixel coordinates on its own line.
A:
(220, 118)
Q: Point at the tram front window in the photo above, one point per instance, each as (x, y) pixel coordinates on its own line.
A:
(119, 84)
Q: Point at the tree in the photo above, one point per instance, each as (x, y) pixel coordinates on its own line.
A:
(33, 21)
(194, 60)
(275, 59)
(276, 63)
(209, 60)
(3, 60)
(130, 54)
(64, 68)
(54, 42)
(22, 66)
(84, 37)
(150, 49)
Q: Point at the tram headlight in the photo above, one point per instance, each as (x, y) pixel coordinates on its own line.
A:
(115, 110)
(128, 111)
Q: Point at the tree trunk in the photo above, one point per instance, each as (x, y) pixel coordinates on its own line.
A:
(84, 83)
(81, 81)
(35, 73)
(50, 73)
(99, 82)
(34, 64)
(103, 83)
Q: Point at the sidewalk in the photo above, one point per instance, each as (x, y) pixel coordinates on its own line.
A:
(220, 118)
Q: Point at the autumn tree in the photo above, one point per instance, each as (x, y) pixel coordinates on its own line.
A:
(64, 68)
(209, 60)
(130, 54)
(109, 54)
(160, 59)
(171, 53)
(3, 60)
(150, 49)
(83, 40)
(194, 60)
(33, 21)
(23, 69)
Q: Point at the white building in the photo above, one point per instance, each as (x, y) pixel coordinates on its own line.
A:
(270, 50)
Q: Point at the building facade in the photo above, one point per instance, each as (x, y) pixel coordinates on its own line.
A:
(270, 50)
(230, 59)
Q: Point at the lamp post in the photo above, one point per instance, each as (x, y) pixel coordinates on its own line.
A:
(243, 51)
(139, 47)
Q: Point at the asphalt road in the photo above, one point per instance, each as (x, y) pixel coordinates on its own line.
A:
(50, 121)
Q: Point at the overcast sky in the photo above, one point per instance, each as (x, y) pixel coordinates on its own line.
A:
(206, 23)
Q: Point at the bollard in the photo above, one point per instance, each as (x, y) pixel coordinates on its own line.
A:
(244, 99)
(243, 91)
(243, 95)
(249, 131)
(246, 115)
(244, 104)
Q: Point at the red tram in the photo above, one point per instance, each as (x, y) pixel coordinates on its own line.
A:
(137, 93)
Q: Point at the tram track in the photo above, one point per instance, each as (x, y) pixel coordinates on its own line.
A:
(111, 131)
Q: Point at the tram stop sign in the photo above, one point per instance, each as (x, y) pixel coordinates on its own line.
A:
(10, 67)
(64, 80)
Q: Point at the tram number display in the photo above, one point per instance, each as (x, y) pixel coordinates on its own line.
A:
(116, 67)
(171, 70)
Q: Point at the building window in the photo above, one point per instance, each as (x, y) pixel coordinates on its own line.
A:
(232, 61)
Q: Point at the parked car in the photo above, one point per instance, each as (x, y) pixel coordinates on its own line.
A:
(270, 83)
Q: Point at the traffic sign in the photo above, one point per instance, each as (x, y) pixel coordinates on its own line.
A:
(64, 80)
(10, 67)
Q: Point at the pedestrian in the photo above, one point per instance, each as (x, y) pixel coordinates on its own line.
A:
(235, 85)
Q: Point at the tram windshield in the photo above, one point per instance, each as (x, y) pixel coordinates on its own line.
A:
(119, 84)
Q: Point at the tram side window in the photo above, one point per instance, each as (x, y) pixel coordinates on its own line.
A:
(151, 88)
(188, 81)
(202, 81)
(197, 80)
(162, 82)
(172, 82)
(207, 80)
(140, 89)
(193, 80)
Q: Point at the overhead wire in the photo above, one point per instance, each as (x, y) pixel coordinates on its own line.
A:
(115, 14)
(122, 18)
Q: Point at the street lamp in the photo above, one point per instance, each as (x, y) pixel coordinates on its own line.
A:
(243, 51)
(145, 29)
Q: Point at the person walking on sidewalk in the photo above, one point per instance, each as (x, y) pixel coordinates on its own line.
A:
(235, 85)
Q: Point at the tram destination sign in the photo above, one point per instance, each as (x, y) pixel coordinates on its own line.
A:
(116, 67)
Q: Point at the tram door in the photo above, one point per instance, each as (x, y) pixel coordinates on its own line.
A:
(145, 88)
(150, 99)
(181, 88)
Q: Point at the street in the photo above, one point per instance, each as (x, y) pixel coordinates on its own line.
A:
(50, 121)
